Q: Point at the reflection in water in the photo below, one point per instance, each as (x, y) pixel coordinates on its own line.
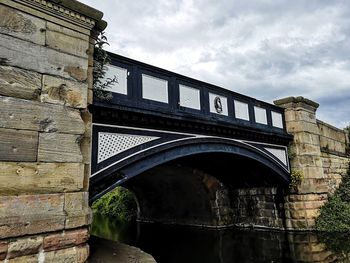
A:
(110, 229)
(170, 244)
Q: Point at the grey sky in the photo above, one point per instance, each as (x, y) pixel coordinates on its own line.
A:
(267, 49)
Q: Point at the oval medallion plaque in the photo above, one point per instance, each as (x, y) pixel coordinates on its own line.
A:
(218, 104)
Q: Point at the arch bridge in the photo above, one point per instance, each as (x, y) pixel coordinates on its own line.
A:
(184, 146)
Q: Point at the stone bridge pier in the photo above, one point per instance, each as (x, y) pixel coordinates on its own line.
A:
(46, 51)
(319, 153)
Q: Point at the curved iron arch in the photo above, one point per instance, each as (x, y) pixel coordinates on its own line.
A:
(135, 165)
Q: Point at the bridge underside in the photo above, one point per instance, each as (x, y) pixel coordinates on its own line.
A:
(212, 190)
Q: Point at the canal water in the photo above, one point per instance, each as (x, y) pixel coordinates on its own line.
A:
(174, 244)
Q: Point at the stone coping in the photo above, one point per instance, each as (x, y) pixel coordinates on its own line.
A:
(68, 13)
(331, 126)
(85, 10)
(298, 99)
(80, 8)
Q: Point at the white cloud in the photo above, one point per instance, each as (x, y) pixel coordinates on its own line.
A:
(265, 49)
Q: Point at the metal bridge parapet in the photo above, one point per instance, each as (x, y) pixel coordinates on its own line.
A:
(146, 89)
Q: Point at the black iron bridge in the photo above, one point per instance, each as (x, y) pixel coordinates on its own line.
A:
(157, 116)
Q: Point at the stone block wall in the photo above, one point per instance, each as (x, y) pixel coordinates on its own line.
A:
(332, 139)
(45, 74)
(258, 207)
(318, 152)
(335, 160)
(308, 247)
(334, 167)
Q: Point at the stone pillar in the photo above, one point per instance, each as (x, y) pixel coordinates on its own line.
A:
(46, 49)
(307, 247)
(303, 203)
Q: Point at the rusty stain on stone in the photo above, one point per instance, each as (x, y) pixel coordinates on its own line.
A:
(67, 180)
(76, 72)
(74, 98)
(3, 249)
(58, 93)
(65, 94)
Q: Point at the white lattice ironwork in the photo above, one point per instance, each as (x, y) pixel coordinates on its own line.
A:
(111, 144)
(280, 154)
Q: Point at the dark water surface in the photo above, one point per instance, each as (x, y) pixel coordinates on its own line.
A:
(170, 244)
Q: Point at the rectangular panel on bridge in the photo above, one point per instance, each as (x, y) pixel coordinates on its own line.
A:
(121, 86)
(154, 88)
(260, 115)
(189, 97)
(277, 120)
(241, 110)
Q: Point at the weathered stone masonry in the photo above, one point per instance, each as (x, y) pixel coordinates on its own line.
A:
(318, 151)
(46, 50)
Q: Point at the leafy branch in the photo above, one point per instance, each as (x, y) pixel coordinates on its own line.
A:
(101, 59)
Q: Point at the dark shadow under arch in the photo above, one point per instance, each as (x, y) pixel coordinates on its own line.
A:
(137, 164)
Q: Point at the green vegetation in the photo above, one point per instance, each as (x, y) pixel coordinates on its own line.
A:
(101, 59)
(347, 129)
(338, 243)
(118, 204)
(296, 179)
(111, 229)
(335, 214)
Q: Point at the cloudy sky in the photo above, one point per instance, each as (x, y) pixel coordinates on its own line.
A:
(266, 49)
